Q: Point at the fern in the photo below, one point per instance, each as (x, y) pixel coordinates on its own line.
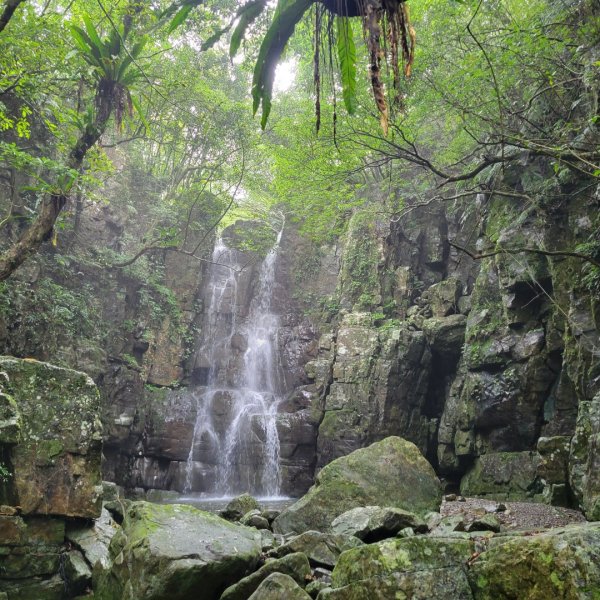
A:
(247, 15)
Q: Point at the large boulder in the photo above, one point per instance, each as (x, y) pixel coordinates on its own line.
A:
(176, 552)
(239, 506)
(392, 472)
(419, 568)
(558, 563)
(49, 419)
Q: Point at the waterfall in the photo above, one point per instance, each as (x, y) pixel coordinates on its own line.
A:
(236, 403)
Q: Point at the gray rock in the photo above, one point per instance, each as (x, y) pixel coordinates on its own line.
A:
(258, 522)
(485, 523)
(295, 565)
(448, 525)
(322, 549)
(240, 506)
(374, 523)
(94, 540)
(278, 587)
(446, 335)
(406, 532)
(77, 573)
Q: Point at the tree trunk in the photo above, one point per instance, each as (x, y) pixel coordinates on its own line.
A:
(8, 12)
(52, 205)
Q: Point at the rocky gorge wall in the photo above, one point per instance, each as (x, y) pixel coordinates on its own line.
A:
(490, 366)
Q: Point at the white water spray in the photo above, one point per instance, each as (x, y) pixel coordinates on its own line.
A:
(253, 398)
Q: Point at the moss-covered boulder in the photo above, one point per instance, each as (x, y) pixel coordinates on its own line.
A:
(176, 552)
(558, 563)
(277, 587)
(295, 565)
(392, 472)
(374, 523)
(418, 568)
(55, 455)
(240, 506)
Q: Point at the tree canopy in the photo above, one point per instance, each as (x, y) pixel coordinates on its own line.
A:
(170, 88)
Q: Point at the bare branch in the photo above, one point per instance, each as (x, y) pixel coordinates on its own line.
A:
(557, 253)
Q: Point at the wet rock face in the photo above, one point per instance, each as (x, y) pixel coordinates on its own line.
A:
(378, 386)
(584, 460)
(51, 439)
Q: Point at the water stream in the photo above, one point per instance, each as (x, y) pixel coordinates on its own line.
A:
(236, 404)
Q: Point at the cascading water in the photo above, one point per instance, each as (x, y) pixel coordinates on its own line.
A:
(236, 407)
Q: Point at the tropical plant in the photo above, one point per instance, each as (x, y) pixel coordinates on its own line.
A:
(115, 69)
(114, 66)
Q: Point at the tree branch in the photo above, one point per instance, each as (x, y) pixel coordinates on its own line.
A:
(8, 12)
(558, 253)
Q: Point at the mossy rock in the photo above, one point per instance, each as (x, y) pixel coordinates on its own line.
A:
(176, 552)
(322, 549)
(392, 473)
(560, 563)
(416, 568)
(277, 587)
(240, 506)
(504, 476)
(295, 565)
(56, 460)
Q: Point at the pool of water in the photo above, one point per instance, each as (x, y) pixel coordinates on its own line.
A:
(216, 504)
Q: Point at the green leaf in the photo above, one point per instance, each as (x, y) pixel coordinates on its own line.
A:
(347, 56)
(79, 38)
(90, 53)
(215, 37)
(287, 15)
(179, 18)
(94, 37)
(247, 15)
(138, 109)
